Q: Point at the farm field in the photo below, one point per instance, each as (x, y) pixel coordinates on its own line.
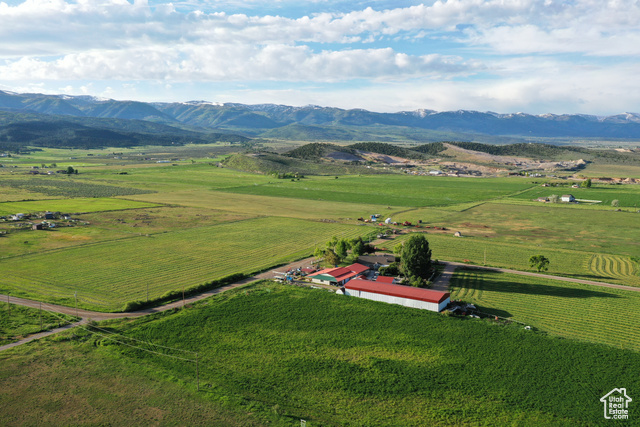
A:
(108, 226)
(272, 206)
(627, 195)
(175, 178)
(594, 169)
(68, 383)
(108, 274)
(283, 354)
(61, 187)
(17, 321)
(77, 205)
(513, 256)
(569, 310)
(541, 226)
(391, 190)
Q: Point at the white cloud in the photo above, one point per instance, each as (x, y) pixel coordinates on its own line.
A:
(235, 62)
(455, 53)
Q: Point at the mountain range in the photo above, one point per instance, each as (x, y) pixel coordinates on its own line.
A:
(309, 122)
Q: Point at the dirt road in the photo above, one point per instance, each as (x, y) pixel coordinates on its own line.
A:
(441, 284)
(87, 315)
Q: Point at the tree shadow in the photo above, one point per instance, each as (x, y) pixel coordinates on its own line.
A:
(590, 277)
(544, 290)
(493, 311)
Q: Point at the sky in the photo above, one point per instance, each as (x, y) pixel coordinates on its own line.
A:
(507, 56)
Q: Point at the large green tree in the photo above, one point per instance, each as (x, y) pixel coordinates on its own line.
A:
(330, 257)
(540, 262)
(415, 260)
(341, 248)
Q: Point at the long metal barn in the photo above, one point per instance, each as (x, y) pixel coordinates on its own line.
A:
(425, 299)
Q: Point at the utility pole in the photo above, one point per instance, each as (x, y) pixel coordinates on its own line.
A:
(197, 374)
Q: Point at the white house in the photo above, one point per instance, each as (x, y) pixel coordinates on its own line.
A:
(568, 198)
(408, 296)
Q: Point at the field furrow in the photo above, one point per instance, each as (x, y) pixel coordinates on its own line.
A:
(582, 312)
(165, 262)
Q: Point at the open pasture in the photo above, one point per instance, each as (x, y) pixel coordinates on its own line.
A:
(540, 226)
(335, 360)
(564, 262)
(108, 226)
(272, 206)
(77, 205)
(166, 177)
(109, 274)
(70, 186)
(570, 310)
(600, 169)
(627, 195)
(390, 190)
(17, 321)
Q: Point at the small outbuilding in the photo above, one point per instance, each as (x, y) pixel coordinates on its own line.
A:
(407, 296)
(338, 276)
(567, 198)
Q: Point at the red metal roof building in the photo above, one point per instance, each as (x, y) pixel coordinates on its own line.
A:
(397, 294)
(385, 279)
(338, 276)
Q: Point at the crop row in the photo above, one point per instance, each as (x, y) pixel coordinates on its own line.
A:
(70, 187)
(120, 271)
(507, 255)
(389, 190)
(615, 266)
(583, 312)
(293, 347)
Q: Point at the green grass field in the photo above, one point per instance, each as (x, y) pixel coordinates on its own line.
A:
(627, 195)
(570, 310)
(283, 354)
(563, 262)
(108, 274)
(76, 205)
(56, 187)
(272, 206)
(17, 321)
(540, 226)
(391, 190)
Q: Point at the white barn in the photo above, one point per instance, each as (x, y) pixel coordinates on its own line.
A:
(408, 296)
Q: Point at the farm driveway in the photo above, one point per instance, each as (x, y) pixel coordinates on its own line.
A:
(441, 284)
(96, 315)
